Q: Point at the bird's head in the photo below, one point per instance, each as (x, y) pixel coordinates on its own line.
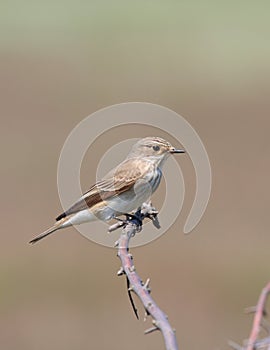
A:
(155, 149)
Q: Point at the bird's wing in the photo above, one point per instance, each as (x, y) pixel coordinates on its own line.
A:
(117, 181)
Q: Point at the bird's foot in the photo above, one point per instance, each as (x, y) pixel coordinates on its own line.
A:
(130, 218)
(136, 219)
(145, 211)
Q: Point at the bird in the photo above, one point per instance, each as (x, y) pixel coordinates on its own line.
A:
(123, 190)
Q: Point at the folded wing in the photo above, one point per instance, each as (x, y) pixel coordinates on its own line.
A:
(117, 181)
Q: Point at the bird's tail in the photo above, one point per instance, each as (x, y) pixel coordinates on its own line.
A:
(55, 227)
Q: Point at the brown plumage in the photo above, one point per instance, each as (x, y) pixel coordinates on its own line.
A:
(123, 189)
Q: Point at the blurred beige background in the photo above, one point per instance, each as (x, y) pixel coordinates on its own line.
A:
(63, 60)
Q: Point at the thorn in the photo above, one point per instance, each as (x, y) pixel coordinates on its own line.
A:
(131, 300)
(251, 309)
(116, 244)
(234, 345)
(151, 330)
(121, 271)
(156, 324)
(146, 285)
(132, 268)
(115, 226)
(130, 289)
(145, 316)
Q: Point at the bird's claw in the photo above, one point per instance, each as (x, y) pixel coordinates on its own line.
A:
(134, 218)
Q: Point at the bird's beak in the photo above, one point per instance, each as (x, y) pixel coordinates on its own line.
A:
(174, 150)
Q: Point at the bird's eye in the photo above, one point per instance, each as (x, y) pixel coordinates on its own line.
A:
(156, 148)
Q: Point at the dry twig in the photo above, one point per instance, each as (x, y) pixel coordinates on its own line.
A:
(132, 225)
(259, 323)
(260, 313)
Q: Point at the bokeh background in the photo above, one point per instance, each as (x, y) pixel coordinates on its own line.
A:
(63, 60)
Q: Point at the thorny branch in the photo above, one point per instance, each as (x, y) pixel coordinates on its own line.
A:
(130, 227)
(133, 224)
(260, 313)
(259, 324)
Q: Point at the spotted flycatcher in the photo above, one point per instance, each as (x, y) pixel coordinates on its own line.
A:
(123, 189)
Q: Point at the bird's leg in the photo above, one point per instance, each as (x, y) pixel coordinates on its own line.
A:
(146, 211)
(135, 218)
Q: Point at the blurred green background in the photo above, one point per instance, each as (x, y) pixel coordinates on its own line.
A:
(63, 60)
